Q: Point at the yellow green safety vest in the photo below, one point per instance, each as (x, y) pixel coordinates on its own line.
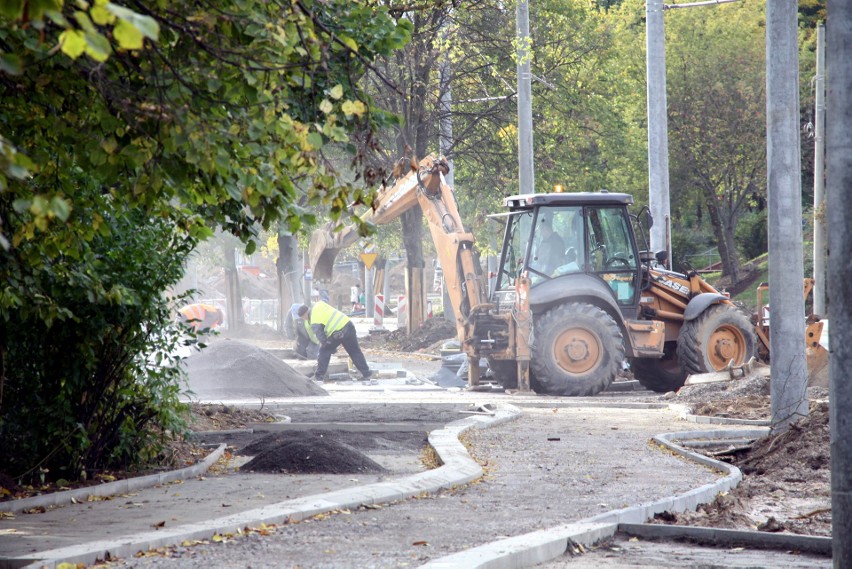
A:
(323, 314)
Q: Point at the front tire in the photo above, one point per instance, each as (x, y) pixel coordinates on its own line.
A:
(578, 350)
(660, 375)
(721, 334)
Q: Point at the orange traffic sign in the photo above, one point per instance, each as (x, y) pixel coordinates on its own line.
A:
(368, 259)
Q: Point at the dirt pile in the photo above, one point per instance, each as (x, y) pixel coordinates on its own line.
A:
(306, 452)
(230, 369)
(786, 477)
(434, 331)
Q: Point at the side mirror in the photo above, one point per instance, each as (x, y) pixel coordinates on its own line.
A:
(647, 218)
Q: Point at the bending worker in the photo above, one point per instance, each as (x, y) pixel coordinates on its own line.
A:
(333, 328)
(307, 344)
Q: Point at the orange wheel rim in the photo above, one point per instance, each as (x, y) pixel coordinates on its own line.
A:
(726, 343)
(577, 350)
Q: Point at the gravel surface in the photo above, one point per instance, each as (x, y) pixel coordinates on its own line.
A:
(548, 467)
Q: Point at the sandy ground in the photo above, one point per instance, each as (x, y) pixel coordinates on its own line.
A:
(554, 465)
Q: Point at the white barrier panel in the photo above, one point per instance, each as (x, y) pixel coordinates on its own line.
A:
(379, 312)
(402, 312)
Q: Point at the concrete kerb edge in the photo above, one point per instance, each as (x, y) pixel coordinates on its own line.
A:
(458, 468)
(730, 537)
(544, 545)
(685, 413)
(112, 488)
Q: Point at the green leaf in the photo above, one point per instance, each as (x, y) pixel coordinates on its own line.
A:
(315, 140)
(73, 43)
(145, 24)
(97, 47)
(10, 64)
(128, 36)
(350, 108)
(101, 15)
(336, 92)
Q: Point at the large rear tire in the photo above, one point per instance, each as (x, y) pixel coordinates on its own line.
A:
(578, 350)
(721, 334)
(660, 375)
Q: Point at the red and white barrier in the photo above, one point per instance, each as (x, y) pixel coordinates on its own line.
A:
(401, 312)
(379, 312)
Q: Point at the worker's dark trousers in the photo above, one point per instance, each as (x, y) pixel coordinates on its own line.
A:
(350, 344)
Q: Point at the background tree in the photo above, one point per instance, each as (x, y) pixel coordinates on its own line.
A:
(168, 120)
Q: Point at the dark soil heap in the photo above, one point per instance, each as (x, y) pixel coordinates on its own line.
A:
(230, 369)
(434, 330)
(306, 452)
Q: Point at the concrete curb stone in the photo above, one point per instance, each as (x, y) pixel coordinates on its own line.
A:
(112, 488)
(458, 468)
(545, 545)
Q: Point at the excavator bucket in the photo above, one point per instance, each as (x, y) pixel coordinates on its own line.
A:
(326, 243)
(816, 351)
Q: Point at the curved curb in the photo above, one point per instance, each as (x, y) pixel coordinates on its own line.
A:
(112, 488)
(685, 413)
(731, 537)
(544, 545)
(458, 468)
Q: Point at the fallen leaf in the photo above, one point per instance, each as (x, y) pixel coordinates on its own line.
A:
(420, 543)
(159, 525)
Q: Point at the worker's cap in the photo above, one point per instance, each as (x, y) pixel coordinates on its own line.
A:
(302, 310)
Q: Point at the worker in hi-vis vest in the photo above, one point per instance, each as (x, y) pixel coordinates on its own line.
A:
(307, 344)
(333, 328)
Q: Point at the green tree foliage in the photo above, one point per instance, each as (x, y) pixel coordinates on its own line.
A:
(717, 118)
(86, 344)
(130, 133)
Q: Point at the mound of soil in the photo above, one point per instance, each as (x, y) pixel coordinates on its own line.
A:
(786, 477)
(306, 452)
(433, 331)
(230, 369)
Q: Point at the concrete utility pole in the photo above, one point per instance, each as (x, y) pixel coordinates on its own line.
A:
(786, 271)
(839, 190)
(658, 137)
(526, 172)
(820, 240)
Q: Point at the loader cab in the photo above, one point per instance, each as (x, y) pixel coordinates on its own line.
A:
(555, 236)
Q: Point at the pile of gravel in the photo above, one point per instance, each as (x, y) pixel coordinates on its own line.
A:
(230, 369)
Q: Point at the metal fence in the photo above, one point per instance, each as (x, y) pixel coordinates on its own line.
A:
(255, 311)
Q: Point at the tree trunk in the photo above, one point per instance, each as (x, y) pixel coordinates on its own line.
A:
(234, 300)
(727, 250)
(289, 268)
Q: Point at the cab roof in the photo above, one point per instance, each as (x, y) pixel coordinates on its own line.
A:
(525, 201)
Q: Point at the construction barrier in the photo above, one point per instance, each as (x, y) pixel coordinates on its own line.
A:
(379, 312)
(401, 312)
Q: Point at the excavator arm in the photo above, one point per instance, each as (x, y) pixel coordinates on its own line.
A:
(424, 186)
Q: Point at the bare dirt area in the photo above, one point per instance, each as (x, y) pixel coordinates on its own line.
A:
(786, 483)
(427, 338)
